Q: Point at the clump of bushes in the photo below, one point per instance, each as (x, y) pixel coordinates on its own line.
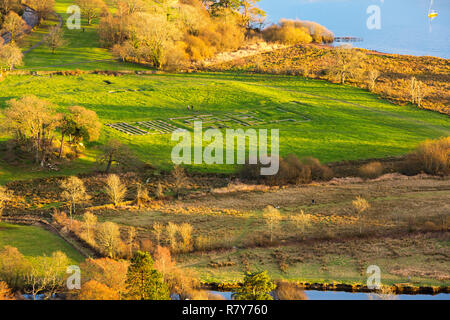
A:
(431, 157)
(371, 170)
(293, 32)
(148, 36)
(292, 171)
(289, 291)
(287, 33)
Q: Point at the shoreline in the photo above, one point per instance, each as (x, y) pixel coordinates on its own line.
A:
(341, 287)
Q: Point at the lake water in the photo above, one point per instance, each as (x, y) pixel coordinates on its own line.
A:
(405, 26)
(338, 295)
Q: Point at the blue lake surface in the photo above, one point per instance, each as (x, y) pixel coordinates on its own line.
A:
(338, 295)
(405, 26)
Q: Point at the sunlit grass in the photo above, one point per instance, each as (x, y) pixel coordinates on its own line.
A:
(346, 123)
(26, 238)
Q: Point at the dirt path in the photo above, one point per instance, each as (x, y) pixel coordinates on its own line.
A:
(60, 22)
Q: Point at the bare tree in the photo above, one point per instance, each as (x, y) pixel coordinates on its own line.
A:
(301, 222)
(74, 191)
(372, 76)
(346, 63)
(32, 120)
(131, 236)
(185, 231)
(153, 35)
(14, 25)
(272, 218)
(416, 90)
(115, 189)
(171, 230)
(9, 5)
(361, 205)
(141, 195)
(43, 8)
(46, 274)
(90, 222)
(91, 9)
(180, 179)
(158, 229)
(108, 238)
(55, 38)
(159, 192)
(10, 56)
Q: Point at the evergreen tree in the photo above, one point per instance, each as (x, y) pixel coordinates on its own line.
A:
(143, 281)
(257, 286)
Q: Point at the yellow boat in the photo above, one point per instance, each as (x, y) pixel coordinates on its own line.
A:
(433, 14)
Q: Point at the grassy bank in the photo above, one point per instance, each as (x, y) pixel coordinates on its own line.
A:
(34, 241)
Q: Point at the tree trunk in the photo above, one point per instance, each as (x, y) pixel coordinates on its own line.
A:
(108, 167)
(61, 146)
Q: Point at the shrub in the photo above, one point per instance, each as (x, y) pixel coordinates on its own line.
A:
(297, 32)
(146, 245)
(13, 267)
(202, 243)
(115, 189)
(93, 290)
(430, 226)
(159, 191)
(142, 196)
(110, 273)
(292, 170)
(371, 170)
(361, 205)
(5, 292)
(287, 34)
(5, 195)
(185, 231)
(289, 291)
(432, 157)
(60, 218)
(108, 239)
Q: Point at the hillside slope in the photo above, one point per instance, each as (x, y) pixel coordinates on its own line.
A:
(394, 83)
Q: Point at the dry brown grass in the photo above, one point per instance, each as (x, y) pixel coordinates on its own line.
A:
(393, 84)
(289, 291)
(240, 187)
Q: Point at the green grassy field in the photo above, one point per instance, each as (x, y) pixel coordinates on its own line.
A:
(82, 49)
(345, 123)
(25, 239)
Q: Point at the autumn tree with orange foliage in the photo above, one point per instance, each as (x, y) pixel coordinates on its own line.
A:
(163, 260)
(110, 273)
(5, 292)
(94, 290)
